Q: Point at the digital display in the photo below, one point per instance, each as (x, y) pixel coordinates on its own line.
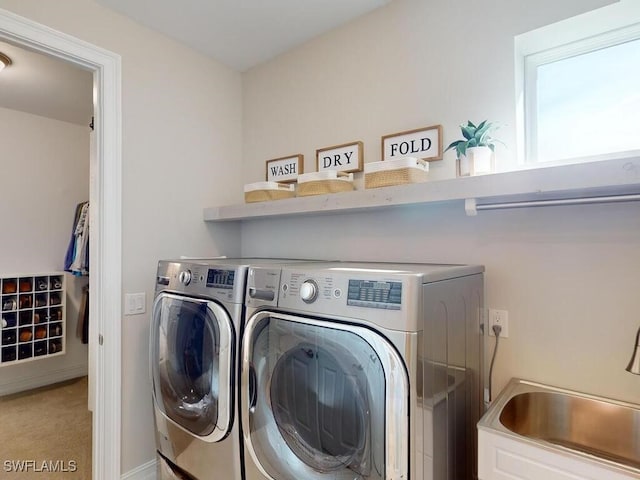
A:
(374, 294)
(220, 278)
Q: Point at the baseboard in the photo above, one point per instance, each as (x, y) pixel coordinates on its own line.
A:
(47, 378)
(146, 471)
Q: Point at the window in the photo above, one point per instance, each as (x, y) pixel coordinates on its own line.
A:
(579, 87)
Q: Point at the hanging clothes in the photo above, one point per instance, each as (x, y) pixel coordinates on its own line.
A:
(77, 257)
(77, 262)
(68, 259)
(82, 329)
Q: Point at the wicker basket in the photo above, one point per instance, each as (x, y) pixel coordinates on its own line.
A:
(395, 172)
(322, 183)
(265, 191)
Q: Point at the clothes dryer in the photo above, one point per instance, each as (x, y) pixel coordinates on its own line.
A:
(362, 372)
(194, 334)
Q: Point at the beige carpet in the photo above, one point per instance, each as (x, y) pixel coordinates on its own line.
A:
(45, 434)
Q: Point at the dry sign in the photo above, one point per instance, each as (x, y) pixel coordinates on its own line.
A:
(348, 157)
(285, 169)
(424, 143)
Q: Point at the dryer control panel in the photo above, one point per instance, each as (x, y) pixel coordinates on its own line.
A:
(200, 280)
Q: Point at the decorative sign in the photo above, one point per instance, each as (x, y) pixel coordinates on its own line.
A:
(285, 169)
(424, 143)
(348, 157)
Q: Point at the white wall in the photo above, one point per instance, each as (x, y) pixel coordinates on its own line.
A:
(411, 64)
(569, 276)
(45, 174)
(181, 151)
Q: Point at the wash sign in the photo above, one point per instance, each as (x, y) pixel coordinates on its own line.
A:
(424, 143)
(285, 169)
(348, 157)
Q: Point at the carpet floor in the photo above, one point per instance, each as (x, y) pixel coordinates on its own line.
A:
(45, 434)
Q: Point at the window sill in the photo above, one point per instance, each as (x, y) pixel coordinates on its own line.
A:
(576, 181)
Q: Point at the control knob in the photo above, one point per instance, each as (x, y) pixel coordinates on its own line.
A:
(185, 277)
(309, 291)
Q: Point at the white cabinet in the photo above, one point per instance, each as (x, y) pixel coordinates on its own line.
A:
(502, 457)
(33, 317)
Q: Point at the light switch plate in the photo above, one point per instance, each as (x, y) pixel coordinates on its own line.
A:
(135, 303)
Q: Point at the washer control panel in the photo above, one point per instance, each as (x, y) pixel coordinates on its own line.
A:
(306, 287)
(332, 290)
(375, 294)
(309, 291)
(262, 287)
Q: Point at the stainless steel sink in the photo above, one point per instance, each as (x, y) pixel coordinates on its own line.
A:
(600, 428)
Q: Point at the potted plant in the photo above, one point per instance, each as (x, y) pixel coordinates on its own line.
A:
(475, 150)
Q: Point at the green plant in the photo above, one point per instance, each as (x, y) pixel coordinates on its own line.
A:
(474, 136)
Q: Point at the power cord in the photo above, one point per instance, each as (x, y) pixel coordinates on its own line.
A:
(496, 331)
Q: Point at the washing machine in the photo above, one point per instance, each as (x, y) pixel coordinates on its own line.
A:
(362, 372)
(194, 334)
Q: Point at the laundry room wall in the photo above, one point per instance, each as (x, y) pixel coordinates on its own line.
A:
(181, 150)
(568, 276)
(45, 174)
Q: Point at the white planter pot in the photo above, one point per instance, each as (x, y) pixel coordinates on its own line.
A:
(464, 166)
(477, 161)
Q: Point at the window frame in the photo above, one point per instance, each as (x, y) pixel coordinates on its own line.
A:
(598, 29)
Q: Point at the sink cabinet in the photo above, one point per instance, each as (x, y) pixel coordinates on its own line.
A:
(503, 457)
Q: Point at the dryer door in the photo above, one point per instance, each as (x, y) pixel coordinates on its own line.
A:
(191, 364)
(318, 400)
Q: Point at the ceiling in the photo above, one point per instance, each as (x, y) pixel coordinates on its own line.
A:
(237, 33)
(42, 85)
(243, 33)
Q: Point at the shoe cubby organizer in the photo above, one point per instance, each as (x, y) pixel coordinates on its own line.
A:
(33, 317)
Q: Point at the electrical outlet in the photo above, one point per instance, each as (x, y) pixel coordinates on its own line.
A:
(499, 317)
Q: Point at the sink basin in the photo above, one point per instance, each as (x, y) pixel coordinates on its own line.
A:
(605, 430)
(571, 423)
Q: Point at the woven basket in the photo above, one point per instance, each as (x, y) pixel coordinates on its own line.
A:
(323, 187)
(266, 195)
(399, 176)
(264, 191)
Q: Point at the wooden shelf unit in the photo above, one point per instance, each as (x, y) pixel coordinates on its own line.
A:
(33, 317)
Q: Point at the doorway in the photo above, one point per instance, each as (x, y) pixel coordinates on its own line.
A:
(105, 242)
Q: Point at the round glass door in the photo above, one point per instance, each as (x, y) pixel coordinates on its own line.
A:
(316, 400)
(191, 364)
(321, 407)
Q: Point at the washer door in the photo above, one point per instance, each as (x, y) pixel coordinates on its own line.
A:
(318, 397)
(191, 364)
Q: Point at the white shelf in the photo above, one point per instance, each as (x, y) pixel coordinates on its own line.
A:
(33, 317)
(584, 180)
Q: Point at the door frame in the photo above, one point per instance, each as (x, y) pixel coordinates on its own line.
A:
(105, 222)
